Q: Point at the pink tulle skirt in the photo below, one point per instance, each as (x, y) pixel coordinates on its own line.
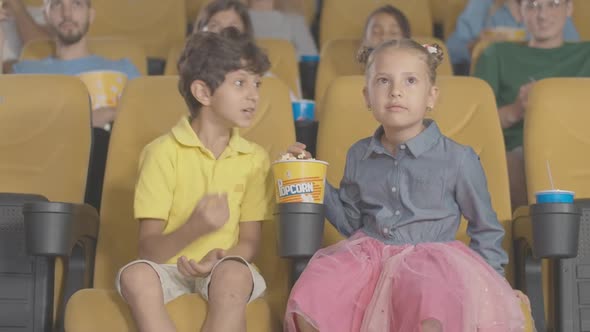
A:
(361, 284)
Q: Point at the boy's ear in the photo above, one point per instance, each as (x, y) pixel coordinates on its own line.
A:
(201, 92)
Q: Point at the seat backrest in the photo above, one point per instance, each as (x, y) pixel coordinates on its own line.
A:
(346, 18)
(154, 24)
(193, 7)
(556, 135)
(281, 53)
(283, 62)
(466, 112)
(556, 132)
(45, 144)
(580, 17)
(338, 58)
(148, 108)
(438, 11)
(110, 48)
(172, 59)
(310, 10)
(45, 150)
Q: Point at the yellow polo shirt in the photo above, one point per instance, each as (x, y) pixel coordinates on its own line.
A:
(176, 170)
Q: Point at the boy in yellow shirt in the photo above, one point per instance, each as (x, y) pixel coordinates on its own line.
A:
(202, 192)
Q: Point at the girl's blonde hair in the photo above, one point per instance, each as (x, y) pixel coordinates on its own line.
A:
(431, 54)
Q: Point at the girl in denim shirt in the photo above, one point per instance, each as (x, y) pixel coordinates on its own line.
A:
(400, 203)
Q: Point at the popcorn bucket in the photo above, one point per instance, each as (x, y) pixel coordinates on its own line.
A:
(104, 86)
(300, 181)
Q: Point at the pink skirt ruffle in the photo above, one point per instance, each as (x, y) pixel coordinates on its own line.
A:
(361, 284)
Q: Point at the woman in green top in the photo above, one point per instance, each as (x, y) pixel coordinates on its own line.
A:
(511, 70)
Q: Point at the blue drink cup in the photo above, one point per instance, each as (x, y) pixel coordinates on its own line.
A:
(556, 224)
(310, 58)
(555, 196)
(303, 110)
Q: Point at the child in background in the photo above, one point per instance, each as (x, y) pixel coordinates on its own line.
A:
(221, 14)
(385, 23)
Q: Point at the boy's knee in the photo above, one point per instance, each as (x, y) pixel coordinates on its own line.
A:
(231, 281)
(138, 278)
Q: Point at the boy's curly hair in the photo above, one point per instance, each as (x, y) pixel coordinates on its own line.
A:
(209, 56)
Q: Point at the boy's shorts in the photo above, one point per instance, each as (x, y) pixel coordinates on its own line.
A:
(174, 284)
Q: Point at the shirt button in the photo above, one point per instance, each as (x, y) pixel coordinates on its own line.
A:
(395, 163)
(403, 146)
(394, 189)
(385, 230)
(397, 213)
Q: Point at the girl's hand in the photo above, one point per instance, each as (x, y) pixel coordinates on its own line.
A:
(523, 298)
(298, 151)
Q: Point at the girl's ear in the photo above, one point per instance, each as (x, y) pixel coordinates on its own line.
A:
(366, 95)
(432, 96)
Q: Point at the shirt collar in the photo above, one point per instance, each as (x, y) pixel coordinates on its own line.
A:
(185, 135)
(416, 145)
(425, 140)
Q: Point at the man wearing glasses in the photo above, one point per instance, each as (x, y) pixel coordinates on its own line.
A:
(512, 69)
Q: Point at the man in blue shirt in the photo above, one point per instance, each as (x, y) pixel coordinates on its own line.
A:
(69, 21)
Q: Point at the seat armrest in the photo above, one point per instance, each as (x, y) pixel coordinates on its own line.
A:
(54, 229)
(68, 231)
(528, 269)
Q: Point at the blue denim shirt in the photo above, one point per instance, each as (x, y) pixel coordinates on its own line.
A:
(475, 18)
(418, 195)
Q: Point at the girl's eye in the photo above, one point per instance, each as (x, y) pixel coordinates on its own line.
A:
(412, 80)
(382, 80)
(239, 83)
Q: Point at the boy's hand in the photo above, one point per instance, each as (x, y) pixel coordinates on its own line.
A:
(192, 269)
(211, 213)
(523, 95)
(298, 149)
